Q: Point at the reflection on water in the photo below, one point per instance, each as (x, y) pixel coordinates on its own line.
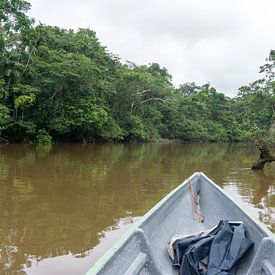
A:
(80, 263)
(62, 207)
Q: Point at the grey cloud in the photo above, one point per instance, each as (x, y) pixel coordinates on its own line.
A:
(188, 20)
(221, 42)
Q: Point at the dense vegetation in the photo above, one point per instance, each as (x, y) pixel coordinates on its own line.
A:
(61, 85)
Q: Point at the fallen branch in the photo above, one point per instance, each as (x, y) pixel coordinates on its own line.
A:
(265, 155)
(3, 140)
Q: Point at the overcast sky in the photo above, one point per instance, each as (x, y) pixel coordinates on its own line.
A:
(218, 41)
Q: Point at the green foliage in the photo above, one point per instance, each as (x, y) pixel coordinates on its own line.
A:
(135, 128)
(68, 83)
(12, 15)
(4, 117)
(43, 137)
(24, 101)
(111, 131)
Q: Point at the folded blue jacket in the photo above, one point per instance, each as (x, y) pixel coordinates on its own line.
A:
(213, 252)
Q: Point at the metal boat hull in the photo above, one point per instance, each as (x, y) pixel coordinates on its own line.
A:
(143, 249)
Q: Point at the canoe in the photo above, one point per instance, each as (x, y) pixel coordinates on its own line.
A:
(143, 249)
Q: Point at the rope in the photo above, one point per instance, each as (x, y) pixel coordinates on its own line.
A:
(196, 214)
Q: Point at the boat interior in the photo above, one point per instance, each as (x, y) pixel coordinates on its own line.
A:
(196, 205)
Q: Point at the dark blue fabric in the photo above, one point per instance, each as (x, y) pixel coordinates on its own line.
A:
(222, 248)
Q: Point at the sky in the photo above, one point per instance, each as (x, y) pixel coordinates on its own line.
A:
(221, 42)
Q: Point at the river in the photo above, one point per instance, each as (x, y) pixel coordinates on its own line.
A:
(63, 206)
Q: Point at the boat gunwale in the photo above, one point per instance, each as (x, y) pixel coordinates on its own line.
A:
(261, 225)
(100, 263)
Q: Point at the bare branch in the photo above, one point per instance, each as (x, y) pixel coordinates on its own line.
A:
(153, 99)
(4, 140)
(143, 91)
(132, 106)
(29, 58)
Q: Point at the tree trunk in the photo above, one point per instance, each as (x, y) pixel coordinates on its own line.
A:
(265, 155)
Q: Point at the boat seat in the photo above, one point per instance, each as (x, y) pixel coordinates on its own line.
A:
(143, 263)
(263, 261)
(136, 257)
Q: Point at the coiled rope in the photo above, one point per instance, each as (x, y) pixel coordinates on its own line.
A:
(196, 214)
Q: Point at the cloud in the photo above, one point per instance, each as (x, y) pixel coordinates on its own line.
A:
(221, 42)
(186, 20)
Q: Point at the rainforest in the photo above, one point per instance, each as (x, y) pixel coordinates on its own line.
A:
(60, 85)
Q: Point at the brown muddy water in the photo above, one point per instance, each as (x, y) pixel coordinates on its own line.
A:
(62, 207)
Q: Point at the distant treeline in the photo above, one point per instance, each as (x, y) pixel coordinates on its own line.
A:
(62, 85)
